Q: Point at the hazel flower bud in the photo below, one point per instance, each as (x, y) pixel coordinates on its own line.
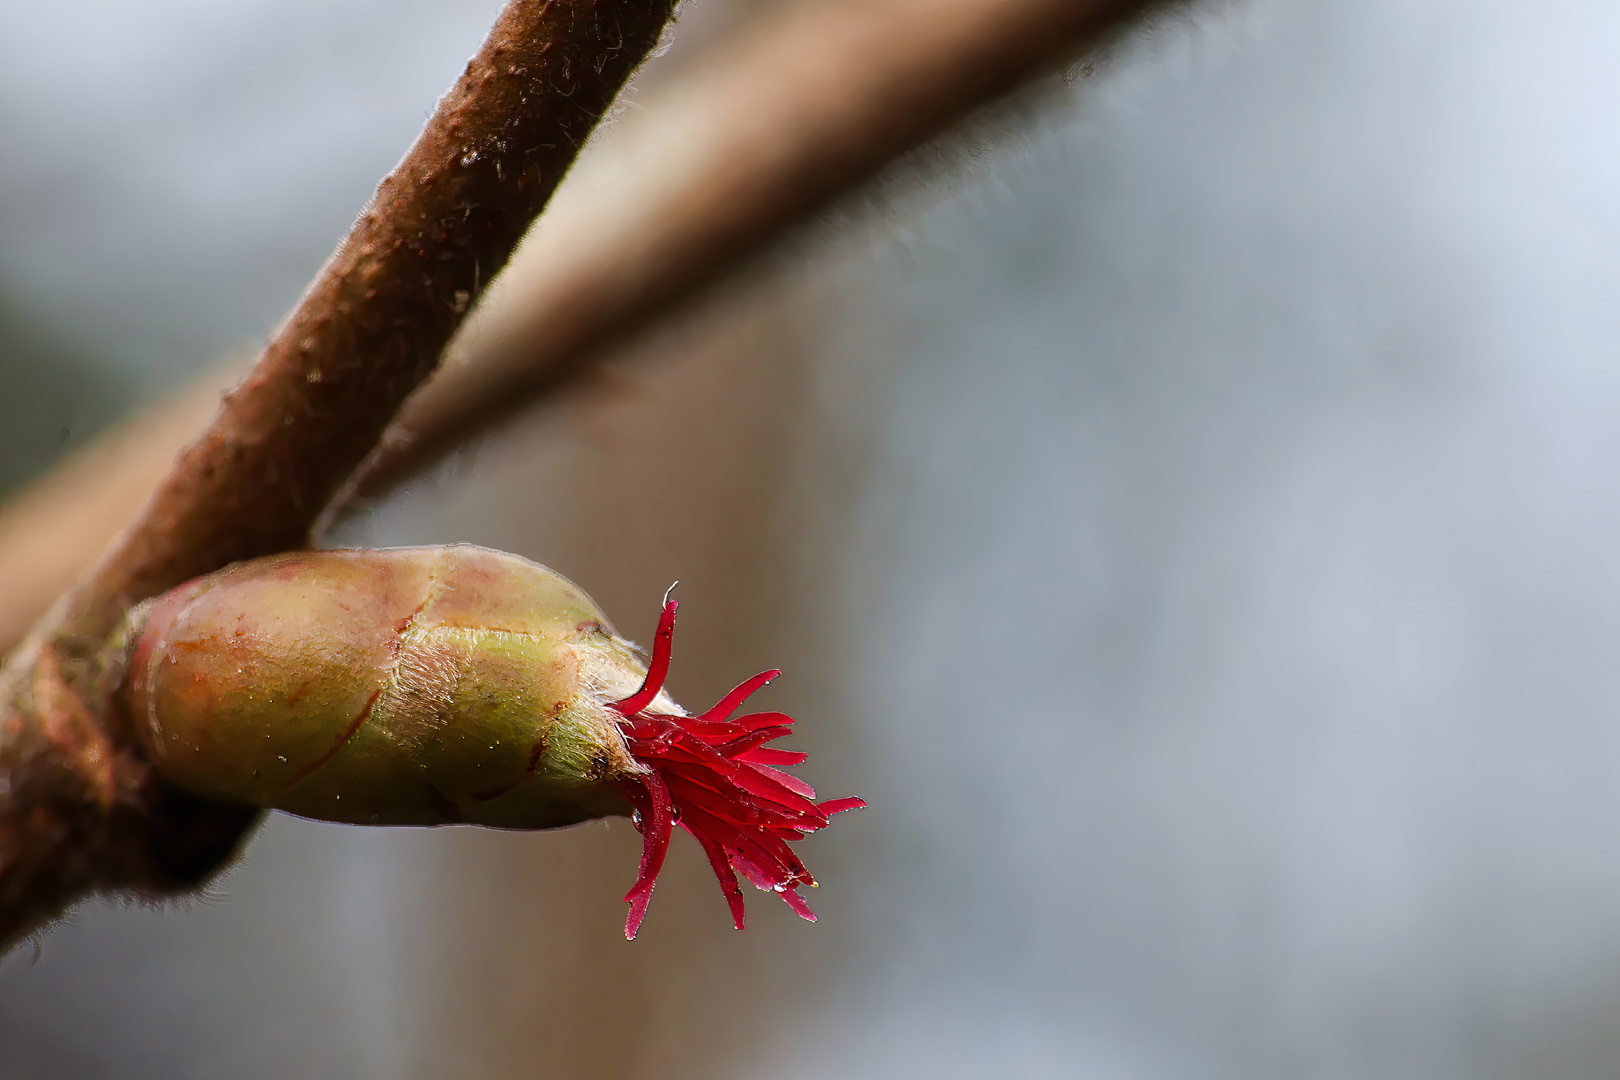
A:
(425, 686)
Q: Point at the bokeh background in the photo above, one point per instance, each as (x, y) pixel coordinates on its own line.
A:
(1185, 502)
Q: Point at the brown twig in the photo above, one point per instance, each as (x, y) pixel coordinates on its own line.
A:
(816, 102)
(79, 809)
(614, 246)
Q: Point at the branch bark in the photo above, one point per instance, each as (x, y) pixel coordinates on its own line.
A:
(80, 810)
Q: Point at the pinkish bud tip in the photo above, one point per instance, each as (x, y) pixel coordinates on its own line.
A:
(715, 777)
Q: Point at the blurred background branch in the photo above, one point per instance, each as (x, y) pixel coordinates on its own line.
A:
(799, 110)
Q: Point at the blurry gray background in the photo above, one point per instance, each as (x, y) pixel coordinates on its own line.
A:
(1187, 509)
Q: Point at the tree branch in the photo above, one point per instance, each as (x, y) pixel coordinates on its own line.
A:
(79, 809)
(813, 104)
(649, 222)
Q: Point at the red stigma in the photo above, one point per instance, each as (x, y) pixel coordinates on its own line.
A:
(715, 777)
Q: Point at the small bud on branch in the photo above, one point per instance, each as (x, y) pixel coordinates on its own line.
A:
(447, 685)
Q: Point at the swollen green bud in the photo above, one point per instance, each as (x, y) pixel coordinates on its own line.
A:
(413, 686)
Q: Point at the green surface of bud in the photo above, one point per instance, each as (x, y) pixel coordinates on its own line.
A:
(412, 686)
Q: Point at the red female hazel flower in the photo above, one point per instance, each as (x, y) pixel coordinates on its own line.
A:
(715, 777)
(456, 685)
